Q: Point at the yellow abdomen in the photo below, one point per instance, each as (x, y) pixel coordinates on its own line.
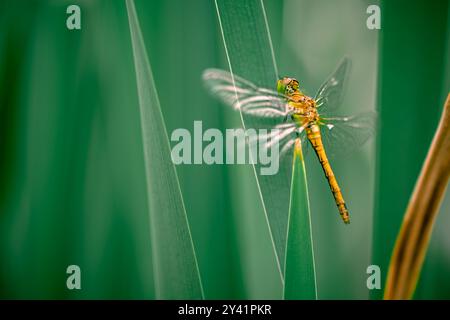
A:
(315, 138)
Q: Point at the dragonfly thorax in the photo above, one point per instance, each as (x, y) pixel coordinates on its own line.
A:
(303, 109)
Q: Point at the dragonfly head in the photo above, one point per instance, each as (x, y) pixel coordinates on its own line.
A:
(288, 86)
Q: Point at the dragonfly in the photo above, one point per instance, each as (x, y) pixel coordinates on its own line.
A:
(299, 116)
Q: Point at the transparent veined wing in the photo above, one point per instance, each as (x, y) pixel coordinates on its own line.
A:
(286, 143)
(244, 95)
(284, 135)
(330, 94)
(343, 135)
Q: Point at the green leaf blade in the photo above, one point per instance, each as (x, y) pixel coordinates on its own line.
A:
(175, 268)
(250, 55)
(300, 275)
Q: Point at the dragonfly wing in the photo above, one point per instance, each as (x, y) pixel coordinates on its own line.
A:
(244, 95)
(342, 135)
(285, 137)
(330, 94)
(287, 145)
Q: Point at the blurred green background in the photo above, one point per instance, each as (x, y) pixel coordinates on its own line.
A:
(72, 177)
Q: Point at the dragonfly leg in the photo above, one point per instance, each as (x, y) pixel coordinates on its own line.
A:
(287, 116)
(298, 131)
(289, 112)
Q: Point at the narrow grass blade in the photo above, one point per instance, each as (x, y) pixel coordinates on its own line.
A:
(415, 233)
(175, 265)
(396, 179)
(300, 275)
(250, 54)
